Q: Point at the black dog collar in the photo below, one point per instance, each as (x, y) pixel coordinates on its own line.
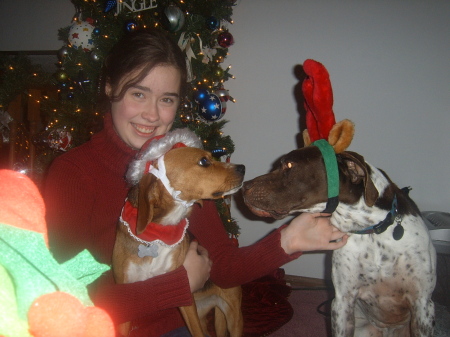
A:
(388, 221)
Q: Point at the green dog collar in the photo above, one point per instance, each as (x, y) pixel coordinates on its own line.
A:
(331, 167)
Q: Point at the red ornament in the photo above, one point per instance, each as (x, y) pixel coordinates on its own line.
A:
(234, 240)
(225, 39)
(60, 139)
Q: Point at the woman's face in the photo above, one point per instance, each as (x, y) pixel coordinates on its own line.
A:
(148, 108)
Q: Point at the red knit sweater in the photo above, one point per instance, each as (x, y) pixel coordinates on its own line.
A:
(84, 193)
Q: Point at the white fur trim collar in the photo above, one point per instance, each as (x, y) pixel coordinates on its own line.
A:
(160, 173)
(157, 147)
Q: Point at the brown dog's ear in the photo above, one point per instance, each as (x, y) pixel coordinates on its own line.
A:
(341, 135)
(358, 171)
(148, 199)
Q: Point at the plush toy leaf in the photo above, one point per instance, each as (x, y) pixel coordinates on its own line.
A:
(35, 272)
(84, 268)
(10, 323)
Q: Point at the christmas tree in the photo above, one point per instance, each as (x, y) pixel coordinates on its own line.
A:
(201, 29)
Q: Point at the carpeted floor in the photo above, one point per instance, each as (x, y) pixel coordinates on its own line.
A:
(308, 322)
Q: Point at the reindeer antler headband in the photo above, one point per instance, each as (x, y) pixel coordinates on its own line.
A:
(321, 127)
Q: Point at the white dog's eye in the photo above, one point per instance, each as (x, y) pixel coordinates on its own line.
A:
(204, 162)
(286, 166)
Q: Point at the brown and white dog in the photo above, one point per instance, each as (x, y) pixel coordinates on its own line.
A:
(168, 177)
(384, 276)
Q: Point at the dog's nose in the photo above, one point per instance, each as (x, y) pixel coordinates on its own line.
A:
(240, 169)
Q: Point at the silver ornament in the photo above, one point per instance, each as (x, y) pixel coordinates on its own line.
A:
(175, 17)
(63, 52)
(94, 56)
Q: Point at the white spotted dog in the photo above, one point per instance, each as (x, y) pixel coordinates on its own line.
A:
(385, 274)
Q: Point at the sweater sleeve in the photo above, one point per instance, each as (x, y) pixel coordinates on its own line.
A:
(127, 302)
(232, 265)
(69, 200)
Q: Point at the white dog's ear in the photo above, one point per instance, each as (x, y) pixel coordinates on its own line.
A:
(148, 199)
(358, 171)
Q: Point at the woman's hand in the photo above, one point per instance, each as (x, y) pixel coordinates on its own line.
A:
(197, 265)
(311, 231)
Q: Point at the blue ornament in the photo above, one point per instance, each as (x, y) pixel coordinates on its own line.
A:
(212, 23)
(201, 95)
(219, 152)
(211, 108)
(131, 26)
(110, 4)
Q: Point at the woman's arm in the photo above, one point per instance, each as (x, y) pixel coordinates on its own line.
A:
(126, 302)
(69, 199)
(234, 266)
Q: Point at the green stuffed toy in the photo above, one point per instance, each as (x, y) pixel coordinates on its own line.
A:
(38, 296)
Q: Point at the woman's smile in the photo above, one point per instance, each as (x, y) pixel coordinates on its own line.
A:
(145, 130)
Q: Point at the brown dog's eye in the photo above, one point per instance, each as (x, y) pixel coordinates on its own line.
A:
(204, 162)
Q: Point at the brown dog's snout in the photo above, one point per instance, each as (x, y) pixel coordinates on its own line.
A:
(240, 169)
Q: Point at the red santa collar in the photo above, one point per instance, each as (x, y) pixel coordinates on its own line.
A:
(168, 235)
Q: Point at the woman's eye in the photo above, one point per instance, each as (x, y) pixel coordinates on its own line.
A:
(138, 94)
(204, 162)
(167, 100)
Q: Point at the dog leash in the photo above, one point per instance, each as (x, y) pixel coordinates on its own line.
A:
(384, 224)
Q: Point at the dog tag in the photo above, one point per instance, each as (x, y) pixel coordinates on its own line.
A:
(398, 232)
(151, 250)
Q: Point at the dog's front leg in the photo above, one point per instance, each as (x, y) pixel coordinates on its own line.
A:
(422, 319)
(190, 316)
(343, 305)
(343, 316)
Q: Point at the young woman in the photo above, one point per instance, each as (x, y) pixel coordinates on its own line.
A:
(85, 189)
